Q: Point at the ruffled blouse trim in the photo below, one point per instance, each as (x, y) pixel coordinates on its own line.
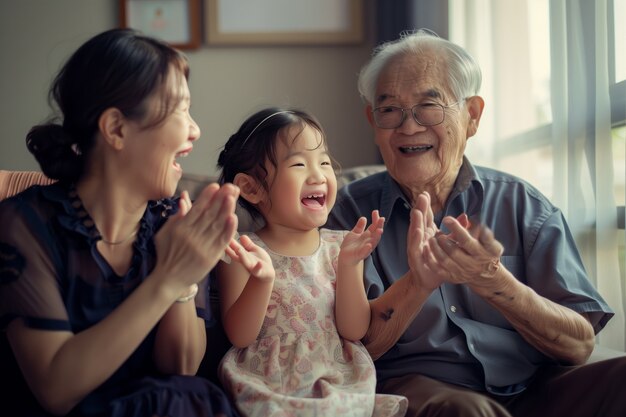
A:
(75, 218)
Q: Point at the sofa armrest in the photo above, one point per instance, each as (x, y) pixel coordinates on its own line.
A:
(13, 182)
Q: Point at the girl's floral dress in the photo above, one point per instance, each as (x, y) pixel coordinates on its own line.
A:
(299, 365)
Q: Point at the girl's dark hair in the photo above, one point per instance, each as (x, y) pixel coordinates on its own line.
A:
(119, 68)
(255, 143)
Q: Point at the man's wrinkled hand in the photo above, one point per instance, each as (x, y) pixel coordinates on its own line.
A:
(465, 255)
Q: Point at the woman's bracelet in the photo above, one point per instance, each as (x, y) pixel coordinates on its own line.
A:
(192, 294)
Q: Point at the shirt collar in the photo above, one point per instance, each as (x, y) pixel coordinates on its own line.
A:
(390, 195)
(467, 180)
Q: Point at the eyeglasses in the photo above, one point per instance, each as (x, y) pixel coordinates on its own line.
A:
(425, 114)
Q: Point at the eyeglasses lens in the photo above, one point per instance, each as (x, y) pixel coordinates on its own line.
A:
(392, 117)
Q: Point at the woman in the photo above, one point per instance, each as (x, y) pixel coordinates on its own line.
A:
(100, 271)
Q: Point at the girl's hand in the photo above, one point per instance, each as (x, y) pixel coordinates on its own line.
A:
(254, 258)
(360, 242)
(192, 241)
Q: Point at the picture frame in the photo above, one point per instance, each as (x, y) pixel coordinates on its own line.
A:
(283, 22)
(177, 22)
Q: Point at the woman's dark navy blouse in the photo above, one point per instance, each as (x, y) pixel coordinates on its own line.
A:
(53, 277)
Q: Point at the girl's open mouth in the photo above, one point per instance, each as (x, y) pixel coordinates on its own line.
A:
(314, 200)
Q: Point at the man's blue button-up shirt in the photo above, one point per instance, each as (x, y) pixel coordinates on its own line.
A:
(458, 337)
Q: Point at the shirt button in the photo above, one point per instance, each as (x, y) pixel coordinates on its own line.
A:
(453, 309)
(406, 205)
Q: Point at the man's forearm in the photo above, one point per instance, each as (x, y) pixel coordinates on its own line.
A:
(557, 331)
(392, 313)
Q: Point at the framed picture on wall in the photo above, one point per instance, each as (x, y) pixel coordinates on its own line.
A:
(283, 22)
(177, 22)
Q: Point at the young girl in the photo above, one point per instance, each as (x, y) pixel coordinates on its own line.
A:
(296, 351)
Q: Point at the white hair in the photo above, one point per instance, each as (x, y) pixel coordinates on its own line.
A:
(464, 76)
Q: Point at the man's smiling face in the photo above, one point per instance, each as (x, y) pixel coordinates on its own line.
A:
(416, 155)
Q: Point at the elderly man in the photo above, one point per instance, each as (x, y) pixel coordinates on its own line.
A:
(480, 302)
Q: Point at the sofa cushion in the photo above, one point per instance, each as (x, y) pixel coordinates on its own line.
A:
(345, 176)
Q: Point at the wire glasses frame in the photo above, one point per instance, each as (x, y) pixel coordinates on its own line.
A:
(425, 114)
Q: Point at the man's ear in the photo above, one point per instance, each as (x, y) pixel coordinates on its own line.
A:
(369, 115)
(475, 106)
(249, 188)
(110, 124)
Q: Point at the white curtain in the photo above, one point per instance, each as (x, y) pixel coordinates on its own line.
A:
(548, 118)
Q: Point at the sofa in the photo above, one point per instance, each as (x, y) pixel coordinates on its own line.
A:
(12, 182)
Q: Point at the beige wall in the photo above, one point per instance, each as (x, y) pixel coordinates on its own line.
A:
(227, 83)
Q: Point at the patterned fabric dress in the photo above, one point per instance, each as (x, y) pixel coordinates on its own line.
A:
(299, 365)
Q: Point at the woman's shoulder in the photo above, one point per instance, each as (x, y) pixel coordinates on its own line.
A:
(39, 198)
(33, 192)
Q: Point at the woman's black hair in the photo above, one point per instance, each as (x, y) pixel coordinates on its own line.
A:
(254, 143)
(119, 68)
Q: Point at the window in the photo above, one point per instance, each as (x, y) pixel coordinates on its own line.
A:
(511, 44)
(617, 67)
(554, 83)
(618, 136)
(618, 30)
(618, 117)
